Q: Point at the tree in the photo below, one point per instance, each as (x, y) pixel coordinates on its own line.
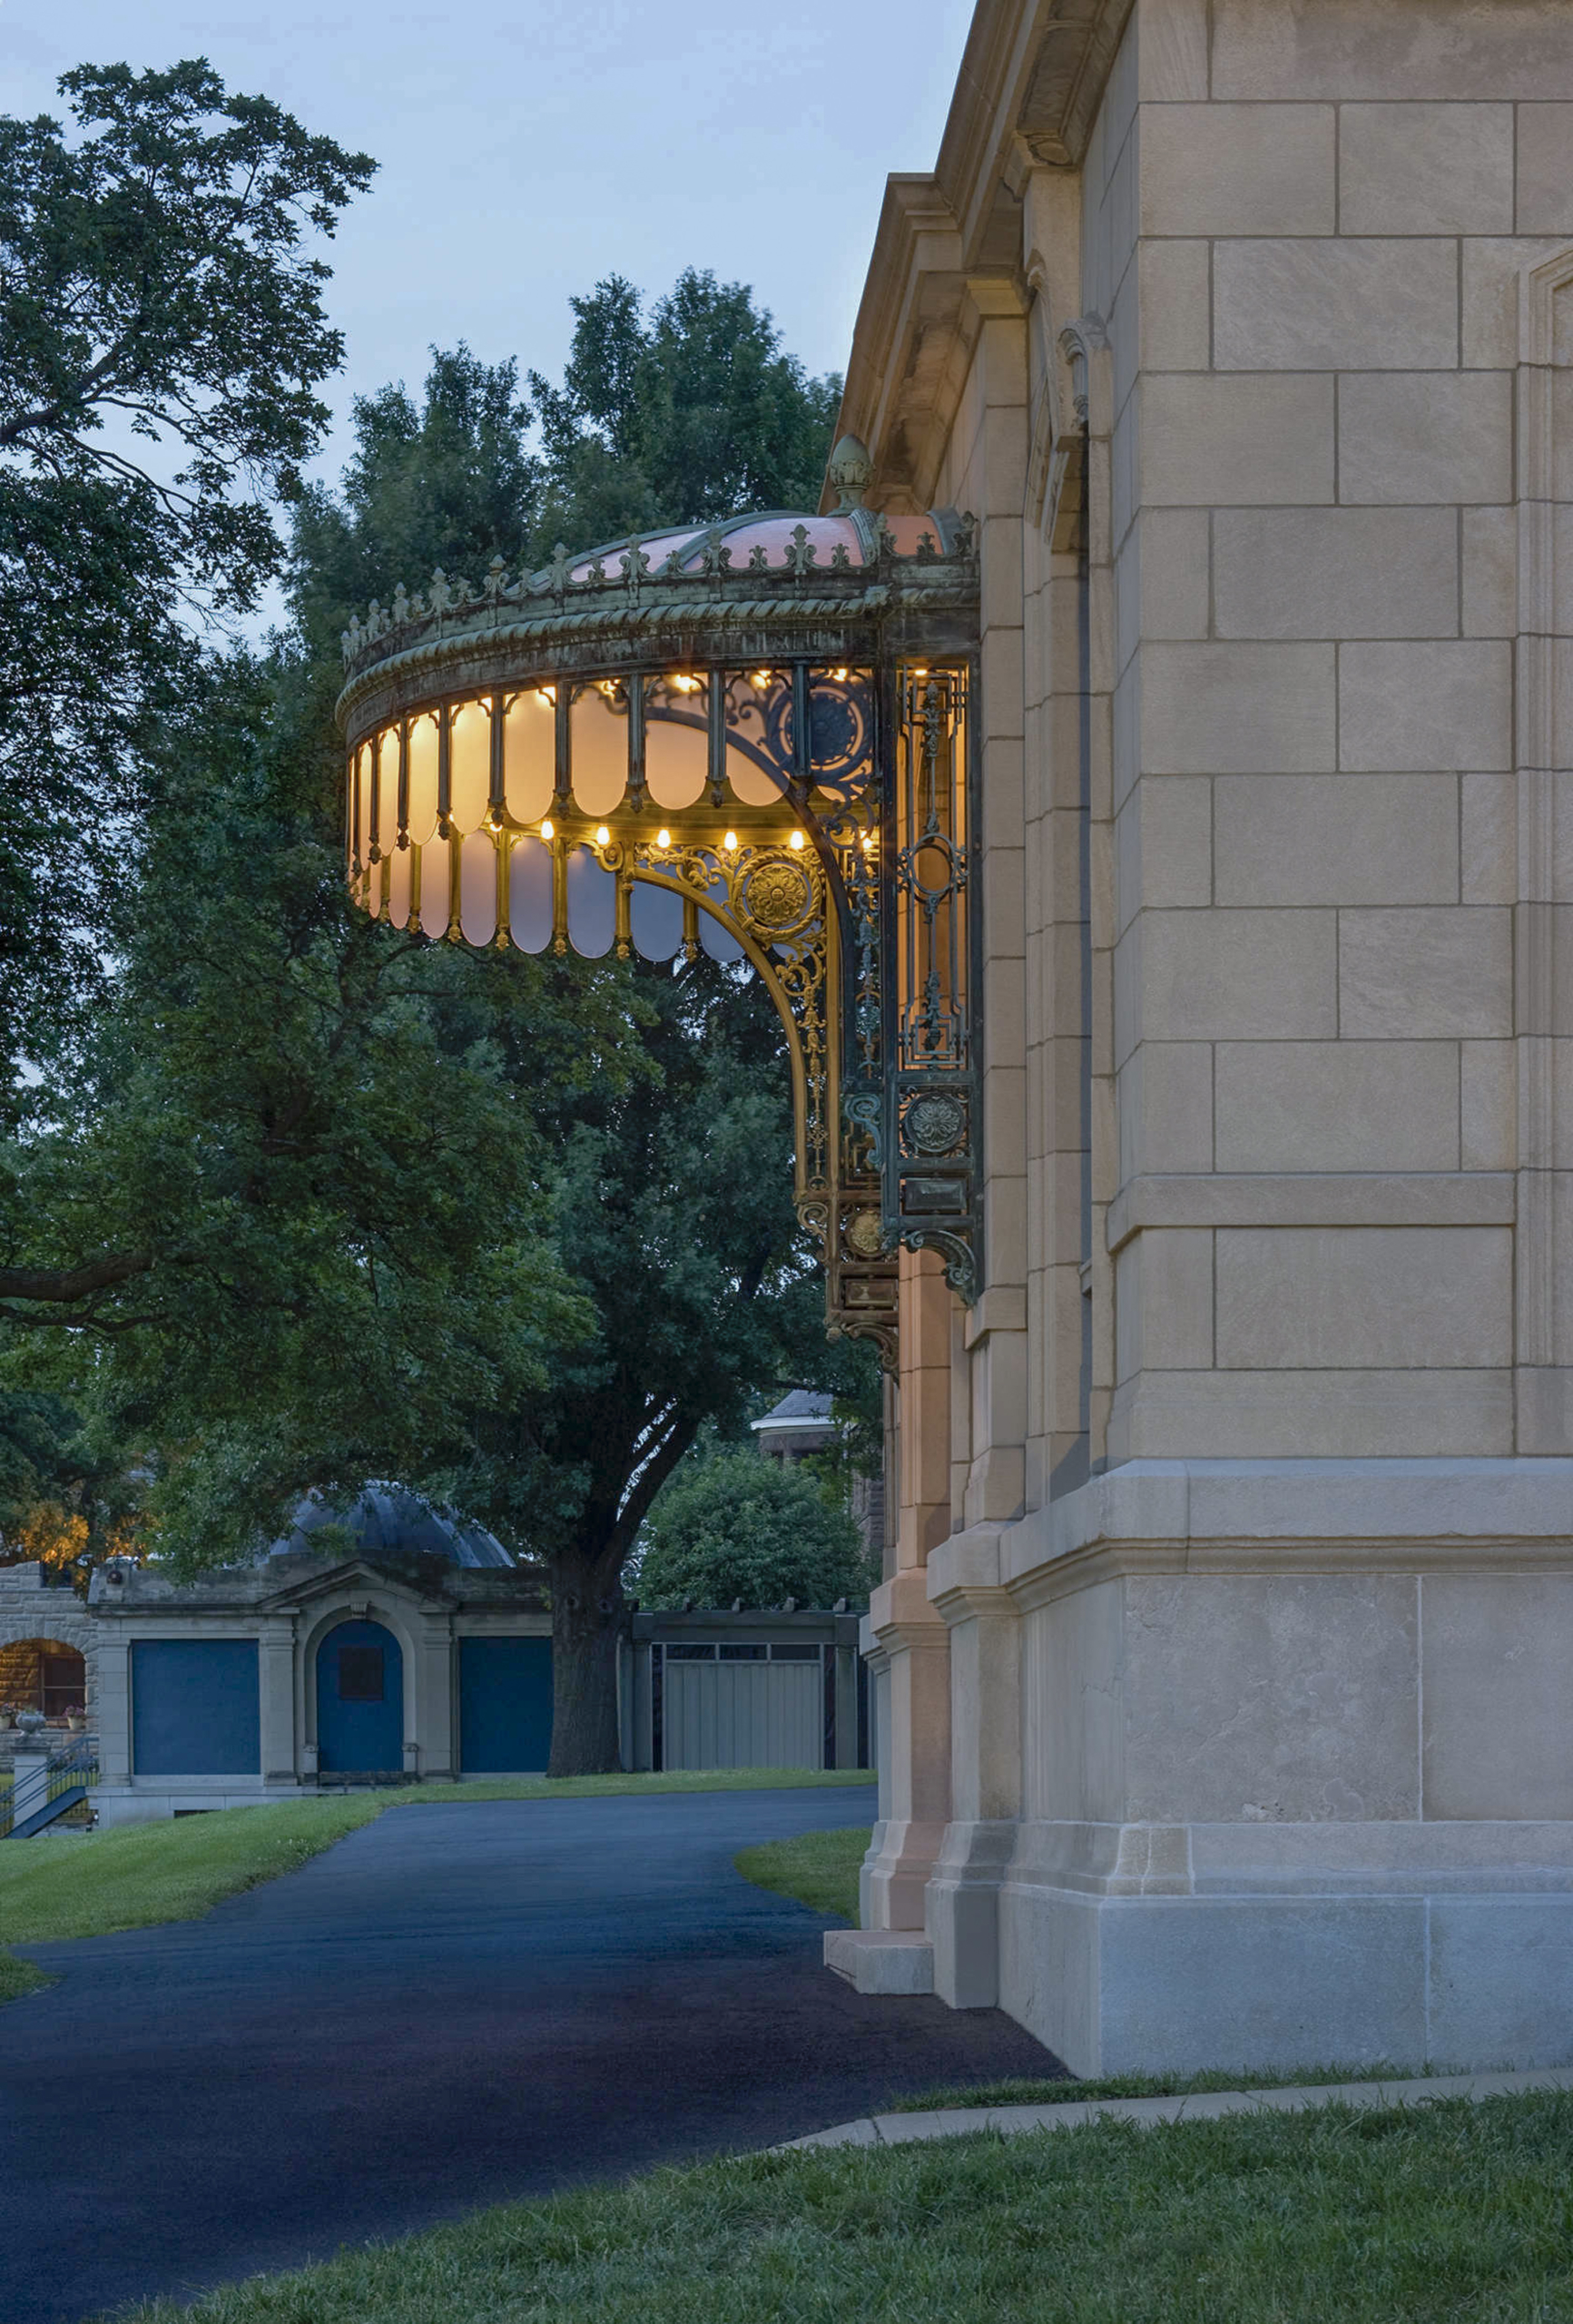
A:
(512, 1231)
(162, 342)
(675, 1220)
(342, 1221)
(451, 481)
(737, 1526)
(695, 413)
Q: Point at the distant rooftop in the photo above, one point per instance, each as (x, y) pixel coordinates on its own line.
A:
(800, 1408)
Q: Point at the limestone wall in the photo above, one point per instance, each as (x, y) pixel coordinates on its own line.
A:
(1334, 1106)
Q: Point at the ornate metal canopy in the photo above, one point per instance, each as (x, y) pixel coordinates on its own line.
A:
(753, 738)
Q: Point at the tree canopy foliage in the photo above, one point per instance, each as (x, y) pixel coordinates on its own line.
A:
(734, 1526)
(162, 342)
(313, 1199)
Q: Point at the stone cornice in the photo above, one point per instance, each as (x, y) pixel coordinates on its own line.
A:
(1031, 77)
(1033, 69)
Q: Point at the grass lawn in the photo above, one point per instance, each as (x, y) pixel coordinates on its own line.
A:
(1447, 2212)
(819, 1868)
(135, 1875)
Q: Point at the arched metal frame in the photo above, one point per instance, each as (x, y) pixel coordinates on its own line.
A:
(794, 768)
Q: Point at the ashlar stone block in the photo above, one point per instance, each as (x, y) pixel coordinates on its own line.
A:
(1425, 436)
(1335, 572)
(1206, 441)
(1271, 1698)
(1241, 709)
(1441, 703)
(1325, 1297)
(1164, 845)
(1373, 304)
(1491, 571)
(1331, 839)
(1220, 976)
(1163, 1302)
(1165, 1108)
(1488, 1638)
(1487, 1105)
(1258, 169)
(1545, 169)
(1173, 572)
(1174, 309)
(1171, 50)
(1337, 1105)
(1404, 50)
(1425, 169)
(1427, 974)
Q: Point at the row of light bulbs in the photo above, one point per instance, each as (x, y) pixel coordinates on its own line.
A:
(664, 837)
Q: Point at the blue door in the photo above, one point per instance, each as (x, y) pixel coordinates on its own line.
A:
(505, 1705)
(360, 1701)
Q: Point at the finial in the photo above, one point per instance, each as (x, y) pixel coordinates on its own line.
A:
(851, 471)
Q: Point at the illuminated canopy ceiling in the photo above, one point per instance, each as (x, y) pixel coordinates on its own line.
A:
(753, 738)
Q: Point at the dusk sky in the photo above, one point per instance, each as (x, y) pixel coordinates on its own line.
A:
(527, 150)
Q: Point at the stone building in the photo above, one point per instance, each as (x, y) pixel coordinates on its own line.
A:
(48, 1651)
(1224, 1658)
(1140, 790)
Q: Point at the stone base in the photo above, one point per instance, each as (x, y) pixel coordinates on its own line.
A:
(1150, 1985)
(1298, 1769)
(881, 1960)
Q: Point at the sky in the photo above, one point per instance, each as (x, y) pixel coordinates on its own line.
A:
(528, 150)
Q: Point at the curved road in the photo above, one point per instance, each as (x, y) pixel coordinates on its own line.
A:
(455, 2005)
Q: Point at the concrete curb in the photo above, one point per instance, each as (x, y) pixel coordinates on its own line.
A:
(1199, 2106)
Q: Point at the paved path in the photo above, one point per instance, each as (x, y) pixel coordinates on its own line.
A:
(455, 2005)
(1197, 2106)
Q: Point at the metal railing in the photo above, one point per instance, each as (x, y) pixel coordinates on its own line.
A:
(39, 1792)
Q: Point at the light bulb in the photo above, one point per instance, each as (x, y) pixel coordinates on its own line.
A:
(797, 839)
(730, 840)
(603, 836)
(663, 838)
(547, 827)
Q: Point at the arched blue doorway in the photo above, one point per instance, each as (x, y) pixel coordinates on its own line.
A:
(360, 1701)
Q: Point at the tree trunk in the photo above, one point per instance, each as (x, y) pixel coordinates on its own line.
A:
(589, 1617)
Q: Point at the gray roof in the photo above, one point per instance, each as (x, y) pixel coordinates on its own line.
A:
(797, 1406)
(390, 1518)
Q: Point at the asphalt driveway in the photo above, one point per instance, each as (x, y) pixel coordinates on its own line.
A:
(455, 2005)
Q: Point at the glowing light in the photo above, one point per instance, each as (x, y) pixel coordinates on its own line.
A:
(602, 836)
(547, 693)
(920, 669)
(797, 839)
(663, 838)
(730, 842)
(841, 677)
(684, 682)
(760, 678)
(547, 827)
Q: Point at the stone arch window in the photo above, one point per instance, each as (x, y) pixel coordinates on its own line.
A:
(43, 1674)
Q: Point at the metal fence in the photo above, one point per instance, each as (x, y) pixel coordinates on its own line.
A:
(764, 1688)
(42, 1789)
